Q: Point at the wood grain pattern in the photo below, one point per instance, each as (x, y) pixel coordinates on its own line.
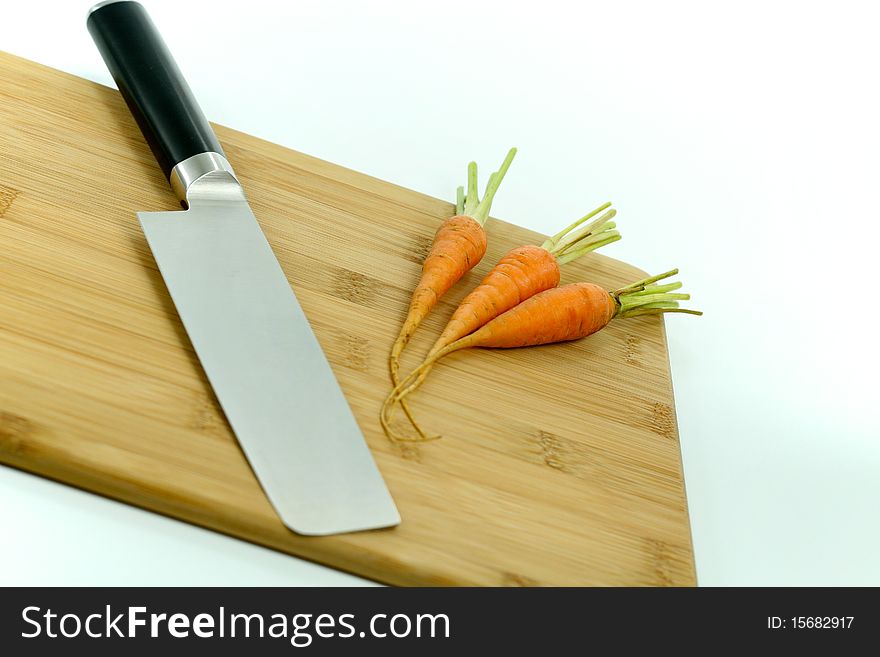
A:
(560, 464)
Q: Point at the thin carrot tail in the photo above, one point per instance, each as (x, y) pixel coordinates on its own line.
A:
(395, 379)
(420, 307)
(646, 297)
(443, 341)
(406, 386)
(388, 411)
(394, 369)
(415, 384)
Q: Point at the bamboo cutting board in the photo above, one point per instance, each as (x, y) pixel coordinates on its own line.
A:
(560, 464)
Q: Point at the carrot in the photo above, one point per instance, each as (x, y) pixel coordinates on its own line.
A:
(522, 273)
(459, 244)
(569, 312)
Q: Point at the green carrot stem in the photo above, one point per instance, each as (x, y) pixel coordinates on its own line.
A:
(591, 229)
(476, 208)
(640, 285)
(645, 298)
(472, 200)
(584, 240)
(661, 311)
(657, 289)
(551, 242)
(459, 200)
(601, 240)
(653, 298)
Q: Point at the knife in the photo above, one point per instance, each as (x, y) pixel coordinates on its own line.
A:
(255, 344)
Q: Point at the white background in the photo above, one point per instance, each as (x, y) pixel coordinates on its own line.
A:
(739, 142)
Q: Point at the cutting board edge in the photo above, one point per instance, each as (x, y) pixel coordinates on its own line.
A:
(109, 488)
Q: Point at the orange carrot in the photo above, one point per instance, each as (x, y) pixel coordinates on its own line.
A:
(459, 244)
(569, 312)
(522, 273)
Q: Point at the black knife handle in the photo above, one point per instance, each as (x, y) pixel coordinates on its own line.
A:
(151, 84)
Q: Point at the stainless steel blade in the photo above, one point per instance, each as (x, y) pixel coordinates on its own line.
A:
(267, 368)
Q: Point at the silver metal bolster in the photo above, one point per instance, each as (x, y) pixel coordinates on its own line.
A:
(204, 167)
(103, 4)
